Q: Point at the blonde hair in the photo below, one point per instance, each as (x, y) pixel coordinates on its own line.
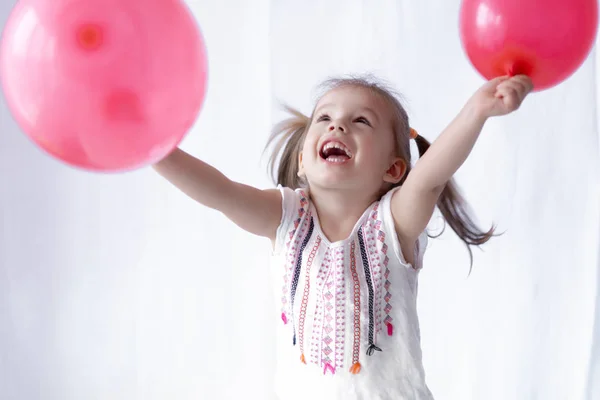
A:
(288, 139)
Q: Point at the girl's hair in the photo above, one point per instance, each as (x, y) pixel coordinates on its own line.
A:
(288, 138)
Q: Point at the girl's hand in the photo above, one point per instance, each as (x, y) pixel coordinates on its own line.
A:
(501, 96)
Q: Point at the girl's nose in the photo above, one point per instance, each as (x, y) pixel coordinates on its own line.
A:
(335, 126)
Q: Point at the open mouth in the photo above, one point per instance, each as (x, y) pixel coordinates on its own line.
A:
(335, 152)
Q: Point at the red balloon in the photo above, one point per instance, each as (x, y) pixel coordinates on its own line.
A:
(104, 85)
(547, 40)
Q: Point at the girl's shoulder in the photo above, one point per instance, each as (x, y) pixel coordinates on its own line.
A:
(294, 209)
(384, 214)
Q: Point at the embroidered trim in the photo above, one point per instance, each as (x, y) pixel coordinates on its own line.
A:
(327, 349)
(372, 347)
(382, 248)
(309, 263)
(375, 261)
(355, 369)
(340, 307)
(296, 276)
(370, 231)
(317, 330)
(292, 246)
(328, 367)
(326, 344)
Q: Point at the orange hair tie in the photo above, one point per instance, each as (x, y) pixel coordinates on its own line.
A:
(413, 133)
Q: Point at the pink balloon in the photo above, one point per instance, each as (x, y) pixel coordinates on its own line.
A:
(547, 40)
(104, 85)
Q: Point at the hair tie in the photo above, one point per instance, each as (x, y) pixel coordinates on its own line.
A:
(413, 133)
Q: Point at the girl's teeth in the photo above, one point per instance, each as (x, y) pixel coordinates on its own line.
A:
(337, 146)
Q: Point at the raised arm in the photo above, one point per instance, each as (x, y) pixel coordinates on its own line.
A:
(254, 210)
(413, 204)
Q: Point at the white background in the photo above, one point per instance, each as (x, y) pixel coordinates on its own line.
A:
(119, 287)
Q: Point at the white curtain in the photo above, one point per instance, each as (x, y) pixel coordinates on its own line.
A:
(119, 287)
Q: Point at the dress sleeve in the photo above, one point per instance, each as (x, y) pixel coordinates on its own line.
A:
(291, 206)
(388, 221)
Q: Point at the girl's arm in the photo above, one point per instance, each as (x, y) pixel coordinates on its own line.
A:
(413, 205)
(254, 210)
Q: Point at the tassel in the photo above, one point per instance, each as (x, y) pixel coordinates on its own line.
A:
(372, 349)
(302, 359)
(355, 369)
(390, 329)
(294, 341)
(284, 318)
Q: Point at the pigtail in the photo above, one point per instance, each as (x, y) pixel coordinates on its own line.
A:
(288, 138)
(456, 212)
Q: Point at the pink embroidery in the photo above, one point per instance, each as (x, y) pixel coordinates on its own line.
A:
(340, 308)
(388, 297)
(293, 247)
(372, 231)
(317, 331)
(383, 250)
(304, 304)
(327, 350)
(328, 367)
(379, 263)
(326, 344)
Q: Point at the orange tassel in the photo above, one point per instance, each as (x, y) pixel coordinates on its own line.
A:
(355, 369)
(303, 359)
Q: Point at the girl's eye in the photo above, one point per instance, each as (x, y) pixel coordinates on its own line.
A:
(323, 117)
(363, 120)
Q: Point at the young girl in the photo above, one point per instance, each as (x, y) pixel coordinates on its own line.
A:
(347, 223)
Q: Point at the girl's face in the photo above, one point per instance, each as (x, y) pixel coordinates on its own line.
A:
(350, 142)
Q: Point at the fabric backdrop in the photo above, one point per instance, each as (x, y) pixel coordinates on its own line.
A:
(119, 287)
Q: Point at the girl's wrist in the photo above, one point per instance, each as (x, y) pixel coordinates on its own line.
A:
(475, 113)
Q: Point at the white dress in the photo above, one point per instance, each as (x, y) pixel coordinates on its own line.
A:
(348, 326)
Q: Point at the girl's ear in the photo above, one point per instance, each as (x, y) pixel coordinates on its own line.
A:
(300, 166)
(395, 172)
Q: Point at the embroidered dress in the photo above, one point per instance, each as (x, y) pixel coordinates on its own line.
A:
(348, 327)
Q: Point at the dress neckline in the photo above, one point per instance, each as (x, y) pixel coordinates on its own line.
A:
(357, 225)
